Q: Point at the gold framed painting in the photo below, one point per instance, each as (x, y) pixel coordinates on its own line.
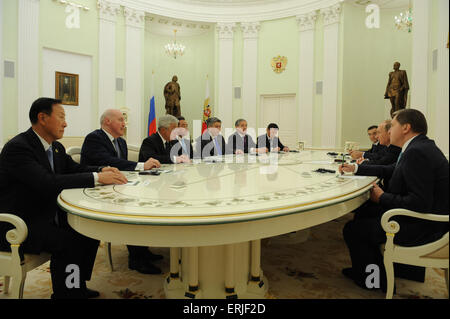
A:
(66, 88)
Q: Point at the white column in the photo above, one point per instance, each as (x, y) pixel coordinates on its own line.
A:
(250, 66)
(134, 33)
(1, 76)
(331, 17)
(419, 79)
(27, 60)
(306, 25)
(225, 101)
(442, 102)
(106, 54)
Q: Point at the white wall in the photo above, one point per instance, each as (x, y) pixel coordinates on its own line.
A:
(78, 117)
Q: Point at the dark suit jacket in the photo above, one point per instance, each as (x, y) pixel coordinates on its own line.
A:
(390, 156)
(376, 152)
(153, 146)
(419, 182)
(205, 146)
(98, 150)
(264, 141)
(178, 149)
(236, 142)
(29, 187)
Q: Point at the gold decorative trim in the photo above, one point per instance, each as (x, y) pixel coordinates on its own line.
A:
(209, 217)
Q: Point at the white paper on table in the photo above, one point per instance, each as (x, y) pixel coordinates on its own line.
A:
(318, 162)
(352, 177)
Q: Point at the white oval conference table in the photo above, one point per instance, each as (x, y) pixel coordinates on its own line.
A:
(213, 215)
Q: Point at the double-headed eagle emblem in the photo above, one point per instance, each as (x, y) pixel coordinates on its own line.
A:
(279, 64)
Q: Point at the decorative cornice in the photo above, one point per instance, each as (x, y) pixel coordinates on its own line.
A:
(306, 21)
(250, 29)
(240, 12)
(225, 30)
(331, 14)
(108, 10)
(134, 18)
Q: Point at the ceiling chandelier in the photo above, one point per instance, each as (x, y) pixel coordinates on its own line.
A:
(174, 49)
(404, 20)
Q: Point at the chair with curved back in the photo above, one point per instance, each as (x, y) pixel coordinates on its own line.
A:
(434, 254)
(11, 265)
(75, 153)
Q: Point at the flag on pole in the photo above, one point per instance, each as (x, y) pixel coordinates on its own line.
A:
(206, 107)
(151, 113)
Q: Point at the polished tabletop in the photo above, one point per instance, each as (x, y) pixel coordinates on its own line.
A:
(220, 190)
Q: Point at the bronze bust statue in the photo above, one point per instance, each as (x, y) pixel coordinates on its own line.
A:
(397, 88)
(173, 97)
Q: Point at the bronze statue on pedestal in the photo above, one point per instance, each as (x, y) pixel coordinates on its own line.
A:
(397, 88)
(173, 97)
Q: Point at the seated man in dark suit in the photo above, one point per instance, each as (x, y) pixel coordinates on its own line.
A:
(270, 140)
(182, 145)
(390, 155)
(105, 146)
(159, 144)
(240, 142)
(419, 181)
(211, 142)
(377, 150)
(34, 169)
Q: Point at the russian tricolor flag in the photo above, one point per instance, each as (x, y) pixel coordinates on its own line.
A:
(151, 113)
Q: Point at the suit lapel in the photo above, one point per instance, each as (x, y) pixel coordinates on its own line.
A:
(38, 149)
(108, 143)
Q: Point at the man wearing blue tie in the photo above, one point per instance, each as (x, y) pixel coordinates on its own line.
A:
(183, 146)
(34, 169)
(419, 181)
(211, 143)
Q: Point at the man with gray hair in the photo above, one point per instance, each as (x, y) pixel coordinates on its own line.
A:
(211, 143)
(240, 142)
(159, 144)
(392, 152)
(106, 147)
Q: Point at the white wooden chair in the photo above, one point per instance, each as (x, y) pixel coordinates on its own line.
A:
(75, 153)
(434, 254)
(10, 263)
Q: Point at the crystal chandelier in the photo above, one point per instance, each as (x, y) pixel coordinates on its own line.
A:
(174, 49)
(404, 20)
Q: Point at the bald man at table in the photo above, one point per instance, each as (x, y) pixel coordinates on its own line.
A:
(105, 146)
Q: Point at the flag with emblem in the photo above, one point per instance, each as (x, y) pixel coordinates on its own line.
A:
(206, 107)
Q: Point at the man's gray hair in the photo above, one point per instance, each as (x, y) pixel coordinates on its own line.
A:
(236, 124)
(106, 114)
(166, 120)
(211, 121)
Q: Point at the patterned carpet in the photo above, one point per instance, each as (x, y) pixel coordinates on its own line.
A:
(307, 270)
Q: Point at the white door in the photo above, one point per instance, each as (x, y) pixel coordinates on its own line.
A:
(282, 110)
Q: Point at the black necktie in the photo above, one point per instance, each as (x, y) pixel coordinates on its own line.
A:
(167, 145)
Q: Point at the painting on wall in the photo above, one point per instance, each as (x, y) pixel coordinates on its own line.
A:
(66, 88)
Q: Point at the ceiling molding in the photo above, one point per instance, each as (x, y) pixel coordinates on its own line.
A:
(228, 10)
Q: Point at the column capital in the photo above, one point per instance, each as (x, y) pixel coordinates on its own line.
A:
(306, 21)
(250, 29)
(134, 18)
(225, 30)
(331, 14)
(108, 10)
